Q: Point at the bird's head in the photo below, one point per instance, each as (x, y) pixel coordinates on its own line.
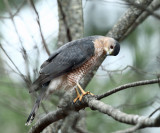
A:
(111, 46)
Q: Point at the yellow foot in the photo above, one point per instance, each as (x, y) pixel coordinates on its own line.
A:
(86, 93)
(78, 95)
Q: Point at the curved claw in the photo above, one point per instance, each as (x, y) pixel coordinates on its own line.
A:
(79, 97)
(86, 93)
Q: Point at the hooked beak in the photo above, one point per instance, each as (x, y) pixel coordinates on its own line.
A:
(109, 51)
(114, 51)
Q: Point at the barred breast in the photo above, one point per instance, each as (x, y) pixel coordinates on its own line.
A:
(77, 74)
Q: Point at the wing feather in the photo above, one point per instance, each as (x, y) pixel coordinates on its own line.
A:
(65, 59)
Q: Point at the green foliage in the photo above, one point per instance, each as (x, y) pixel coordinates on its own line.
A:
(12, 3)
(12, 111)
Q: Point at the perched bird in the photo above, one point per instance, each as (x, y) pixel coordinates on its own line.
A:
(69, 64)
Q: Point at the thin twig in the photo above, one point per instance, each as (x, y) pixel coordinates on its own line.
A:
(131, 130)
(123, 87)
(154, 112)
(14, 14)
(126, 67)
(40, 29)
(12, 61)
(144, 104)
(24, 53)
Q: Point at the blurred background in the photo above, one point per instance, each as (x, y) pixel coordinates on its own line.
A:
(22, 53)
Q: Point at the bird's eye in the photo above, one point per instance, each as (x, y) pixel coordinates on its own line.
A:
(111, 47)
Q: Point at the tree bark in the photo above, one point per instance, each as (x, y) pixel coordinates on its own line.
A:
(70, 20)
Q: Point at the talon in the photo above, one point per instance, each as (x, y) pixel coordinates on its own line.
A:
(78, 95)
(86, 93)
(83, 93)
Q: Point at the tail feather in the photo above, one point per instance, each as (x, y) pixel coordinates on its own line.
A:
(37, 85)
(35, 108)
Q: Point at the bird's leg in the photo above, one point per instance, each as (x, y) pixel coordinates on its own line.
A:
(78, 95)
(83, 92)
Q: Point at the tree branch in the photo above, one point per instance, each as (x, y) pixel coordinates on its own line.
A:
(152, 7)
(40, 29)
(120, 116)
(144, 8)
(68, 32)
(130, 130)
(19, 72)
(48, 119)
(16, 12)
(93, 103)
(126, 21)
(123, 87)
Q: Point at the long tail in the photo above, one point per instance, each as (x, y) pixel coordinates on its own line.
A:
(35, 108)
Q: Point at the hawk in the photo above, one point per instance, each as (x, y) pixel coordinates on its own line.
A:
(69, 64)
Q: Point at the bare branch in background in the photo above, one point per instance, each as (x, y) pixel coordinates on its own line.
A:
(24, 78)
(40, 29)
(126, 67)
(138, 125)
(131, 130)
(148, 102)
(145, 8)
(134, 84)
(23, 51)
(153, 6)
(17, 11)
(70, 21)
(126, 21)
(158, 109)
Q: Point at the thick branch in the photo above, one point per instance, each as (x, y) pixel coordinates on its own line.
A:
(68, 32)
(152, 7)
(147, 10)
(90, 101)
(70, 20)
(120, 116)
(126, 21)
(47, 120)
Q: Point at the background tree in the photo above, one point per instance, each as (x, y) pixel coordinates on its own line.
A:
(24, 49)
